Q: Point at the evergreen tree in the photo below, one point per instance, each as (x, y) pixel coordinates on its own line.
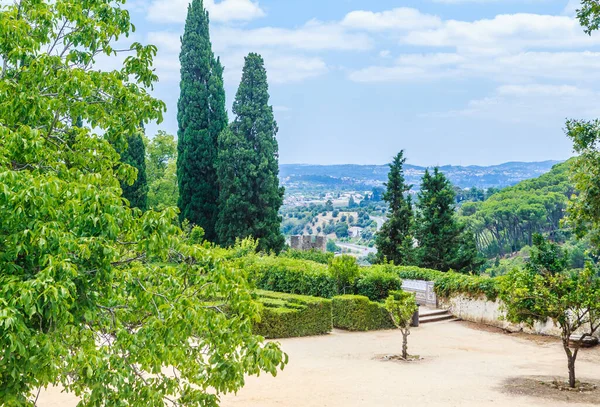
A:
(135, 155)
(444, 244)
(250, 196)
(201, 116)
(395, 240)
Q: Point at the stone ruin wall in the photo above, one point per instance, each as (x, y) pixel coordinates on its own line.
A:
(306, 243)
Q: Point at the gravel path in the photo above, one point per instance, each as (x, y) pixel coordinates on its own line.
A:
(464, 365)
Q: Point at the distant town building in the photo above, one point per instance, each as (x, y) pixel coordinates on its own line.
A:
(306, 243)
(355, 231)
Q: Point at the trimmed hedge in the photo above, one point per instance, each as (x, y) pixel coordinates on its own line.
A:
(376, 282)
(288, 315)
(292, 276)
(448, 284)
(357, 313)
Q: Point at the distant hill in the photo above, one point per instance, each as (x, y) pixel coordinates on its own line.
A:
(298, 177)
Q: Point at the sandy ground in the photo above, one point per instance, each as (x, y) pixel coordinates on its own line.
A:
(463, 366)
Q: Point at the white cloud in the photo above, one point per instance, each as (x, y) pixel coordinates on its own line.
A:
(505, 32)
(533, 103)
(314, 35)
(397, 19)
(175, 11)
(571, 7)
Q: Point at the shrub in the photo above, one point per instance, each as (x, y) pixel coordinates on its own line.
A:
(312, 255)
(288, 316)
(357, 313)
(292, 276)
(376, 282)
(450, 283)
(344, 271)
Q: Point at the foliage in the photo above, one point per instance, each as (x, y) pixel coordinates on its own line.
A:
(313, 255)
(201, 116)
(161, 170)
(401, 306)
(290, 316)
(507, 221)
(395, 239)
(544, 290)
(247, 167)
(589, 15)
(344, 271)
(332, 247)
(584, 210)
(292, 276)
(444, 244)
(357, 313)
(78, 268)
(449, 284)
(341, 230)
(376, 282)
(134, 154)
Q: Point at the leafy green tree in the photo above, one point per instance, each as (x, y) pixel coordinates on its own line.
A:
(402, 305)
(444, 243)
(395, 239)
(352, 202)
(332, 247)
(250, 195)
(545, 289)
(94, 296)
(584, 209)
(341, 230)
(589, 15)
(161, 169)
(329, 205)
(344, 270)
(202, 117)
(134, 154)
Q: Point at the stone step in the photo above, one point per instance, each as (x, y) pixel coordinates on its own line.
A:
(446, 316)
(432, 312)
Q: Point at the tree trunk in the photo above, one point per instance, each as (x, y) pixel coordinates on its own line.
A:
(405, 333)
(571, 358)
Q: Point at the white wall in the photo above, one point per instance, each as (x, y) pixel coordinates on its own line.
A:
(486, 312)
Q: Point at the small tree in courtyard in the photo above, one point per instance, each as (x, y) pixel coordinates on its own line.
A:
(344, 269)
(402, 305)
(544, 290)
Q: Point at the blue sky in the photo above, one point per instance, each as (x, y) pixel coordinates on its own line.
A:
(354, 81)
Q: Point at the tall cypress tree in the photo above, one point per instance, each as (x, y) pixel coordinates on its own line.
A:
(395, 239)
(250, 195)
(201, 116)
(444, 243)
(135, 155)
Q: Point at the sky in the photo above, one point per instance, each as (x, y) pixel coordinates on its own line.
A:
(462, 82)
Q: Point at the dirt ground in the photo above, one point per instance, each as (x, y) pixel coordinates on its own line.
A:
(463, 365)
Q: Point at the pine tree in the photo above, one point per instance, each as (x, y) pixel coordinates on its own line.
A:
(250, 195)
(395, 239)
(444, 243)
(202, 117)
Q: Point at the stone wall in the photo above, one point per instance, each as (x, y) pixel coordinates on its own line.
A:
(424, 291)
(306, 243)
(483, 311)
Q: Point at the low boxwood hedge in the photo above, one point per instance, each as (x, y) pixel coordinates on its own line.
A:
(289, 315)
(357, 313)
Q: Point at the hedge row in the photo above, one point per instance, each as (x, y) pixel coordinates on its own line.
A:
(448, 284)
(357, 313)
(305, 277)
(288, 315)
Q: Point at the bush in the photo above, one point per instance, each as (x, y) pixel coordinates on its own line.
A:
(292, 276)
(344, 270)
(448, 284)
(289, 316)
(312, 255)
(376, 282)
(357, 313)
